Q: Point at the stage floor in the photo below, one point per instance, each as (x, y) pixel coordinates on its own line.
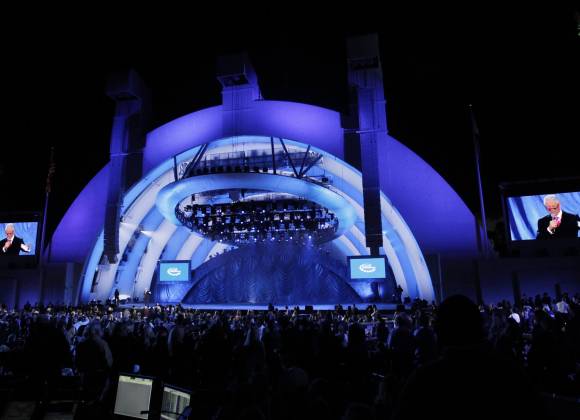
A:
(236, 306)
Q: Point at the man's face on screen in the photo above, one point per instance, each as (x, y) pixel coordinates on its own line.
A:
(9, 233)
(553, 207)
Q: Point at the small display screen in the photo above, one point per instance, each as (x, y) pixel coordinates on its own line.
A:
(367, 268)
(174, 270)
(175, 401)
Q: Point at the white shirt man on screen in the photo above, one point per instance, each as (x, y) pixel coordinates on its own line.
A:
(12, 244)
(558, 223)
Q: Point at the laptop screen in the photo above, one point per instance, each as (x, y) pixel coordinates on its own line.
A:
(174, 402)
(133, 396)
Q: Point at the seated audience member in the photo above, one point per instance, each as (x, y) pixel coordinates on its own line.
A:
(469, 381)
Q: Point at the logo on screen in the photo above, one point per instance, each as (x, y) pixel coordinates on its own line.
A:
(174, 271)
(367, 268)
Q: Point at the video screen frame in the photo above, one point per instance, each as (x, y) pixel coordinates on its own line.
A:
(352, 258)
(530, 194)
(120, 400)
(20, 221)
(170, 416)
(162, 279)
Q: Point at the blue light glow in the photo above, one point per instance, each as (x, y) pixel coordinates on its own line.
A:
(411, 184)
(406, 179)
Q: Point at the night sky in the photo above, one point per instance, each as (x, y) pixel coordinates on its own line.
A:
(519, 68)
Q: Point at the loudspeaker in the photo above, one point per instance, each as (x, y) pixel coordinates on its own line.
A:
(309, 309)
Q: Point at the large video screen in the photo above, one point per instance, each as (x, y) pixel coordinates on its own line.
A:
(18, 238)
(544, 216)
(367, 267)
(174, 270)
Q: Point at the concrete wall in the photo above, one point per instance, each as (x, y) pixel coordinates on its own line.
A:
(534, 275)
(60, 285)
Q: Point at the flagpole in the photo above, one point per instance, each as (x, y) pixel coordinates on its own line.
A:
(46, 197)
(483, 242)
(48, 189)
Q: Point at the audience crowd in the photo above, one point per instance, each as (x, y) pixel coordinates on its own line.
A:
(454, 360)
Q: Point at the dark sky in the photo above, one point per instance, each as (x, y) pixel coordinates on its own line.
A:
(519, 68)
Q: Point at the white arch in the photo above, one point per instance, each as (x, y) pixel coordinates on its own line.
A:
(189, 246)
(149, 260)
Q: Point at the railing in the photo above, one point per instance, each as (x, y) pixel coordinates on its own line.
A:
(282, 162)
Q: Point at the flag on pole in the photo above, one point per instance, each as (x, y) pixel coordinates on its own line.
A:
(474, 130)
(51, 171)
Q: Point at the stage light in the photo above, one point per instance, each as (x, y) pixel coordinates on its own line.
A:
(253, 219)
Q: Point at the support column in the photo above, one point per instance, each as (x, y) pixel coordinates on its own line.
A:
(239, 90)
(132, 109)
(368, 101)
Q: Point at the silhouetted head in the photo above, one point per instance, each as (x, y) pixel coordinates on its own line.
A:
(459, 322)
(94, 330)
(424, 320)
(358, 411)
(403, 320)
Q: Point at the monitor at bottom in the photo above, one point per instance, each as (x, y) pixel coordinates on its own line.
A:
(133, 396)
(175, 401)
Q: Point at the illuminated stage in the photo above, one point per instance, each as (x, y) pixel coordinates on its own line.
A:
(144, 206)
(272, 174)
